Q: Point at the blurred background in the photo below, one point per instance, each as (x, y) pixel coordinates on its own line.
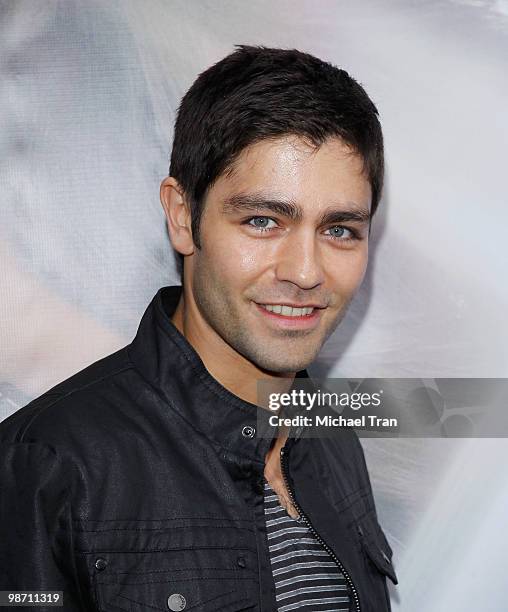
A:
(88, 96)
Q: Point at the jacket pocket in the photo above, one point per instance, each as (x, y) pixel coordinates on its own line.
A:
(221, 580)
(377, 559)
(191, 569)
(376, 546)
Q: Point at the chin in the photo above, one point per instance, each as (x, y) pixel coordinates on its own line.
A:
(277, 365)
(277, 357)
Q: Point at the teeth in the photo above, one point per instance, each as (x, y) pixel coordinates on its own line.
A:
(288, 311)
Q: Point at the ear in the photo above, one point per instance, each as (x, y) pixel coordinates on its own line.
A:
(178, 216)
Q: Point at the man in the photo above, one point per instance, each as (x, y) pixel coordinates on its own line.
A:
(140, 483)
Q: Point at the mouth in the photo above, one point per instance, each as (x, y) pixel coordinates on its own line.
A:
(300, 316)
(288, 311)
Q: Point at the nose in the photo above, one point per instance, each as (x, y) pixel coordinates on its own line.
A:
(299, 260)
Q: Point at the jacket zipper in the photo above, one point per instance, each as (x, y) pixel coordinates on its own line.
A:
(306, 520)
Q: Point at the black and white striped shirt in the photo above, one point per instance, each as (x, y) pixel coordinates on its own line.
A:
(306, 577)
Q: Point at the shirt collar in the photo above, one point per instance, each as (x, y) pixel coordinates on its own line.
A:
(171, 365)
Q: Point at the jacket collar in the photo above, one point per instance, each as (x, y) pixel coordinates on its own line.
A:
(174, 369)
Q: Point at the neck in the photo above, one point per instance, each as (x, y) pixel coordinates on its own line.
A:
(232, 370)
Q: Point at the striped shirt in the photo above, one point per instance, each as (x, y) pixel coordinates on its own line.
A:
(306, 577)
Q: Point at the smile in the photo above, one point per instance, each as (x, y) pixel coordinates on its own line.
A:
(283, 316)
(288, 311)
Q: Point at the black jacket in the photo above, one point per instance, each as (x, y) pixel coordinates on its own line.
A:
(140, 478)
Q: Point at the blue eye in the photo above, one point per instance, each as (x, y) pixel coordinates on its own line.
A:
(337, 232)
(261, 223)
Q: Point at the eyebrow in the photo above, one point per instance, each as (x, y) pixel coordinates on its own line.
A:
(290, 209)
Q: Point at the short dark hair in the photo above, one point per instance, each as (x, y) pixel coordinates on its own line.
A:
(258, 92)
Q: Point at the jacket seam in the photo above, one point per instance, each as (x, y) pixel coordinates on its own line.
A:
(69, 393)
(178, 518)
(173, 528)
(181, 569)
(355, 496)
(144, 550)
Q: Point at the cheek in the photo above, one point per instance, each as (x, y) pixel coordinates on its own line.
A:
(237, 256)
(347, 271)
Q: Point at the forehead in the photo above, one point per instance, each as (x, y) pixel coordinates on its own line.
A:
(291, 167)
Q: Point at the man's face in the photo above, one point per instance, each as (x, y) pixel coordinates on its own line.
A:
(286, 229)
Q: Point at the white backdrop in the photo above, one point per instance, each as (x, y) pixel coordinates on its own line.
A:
(88, 95)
